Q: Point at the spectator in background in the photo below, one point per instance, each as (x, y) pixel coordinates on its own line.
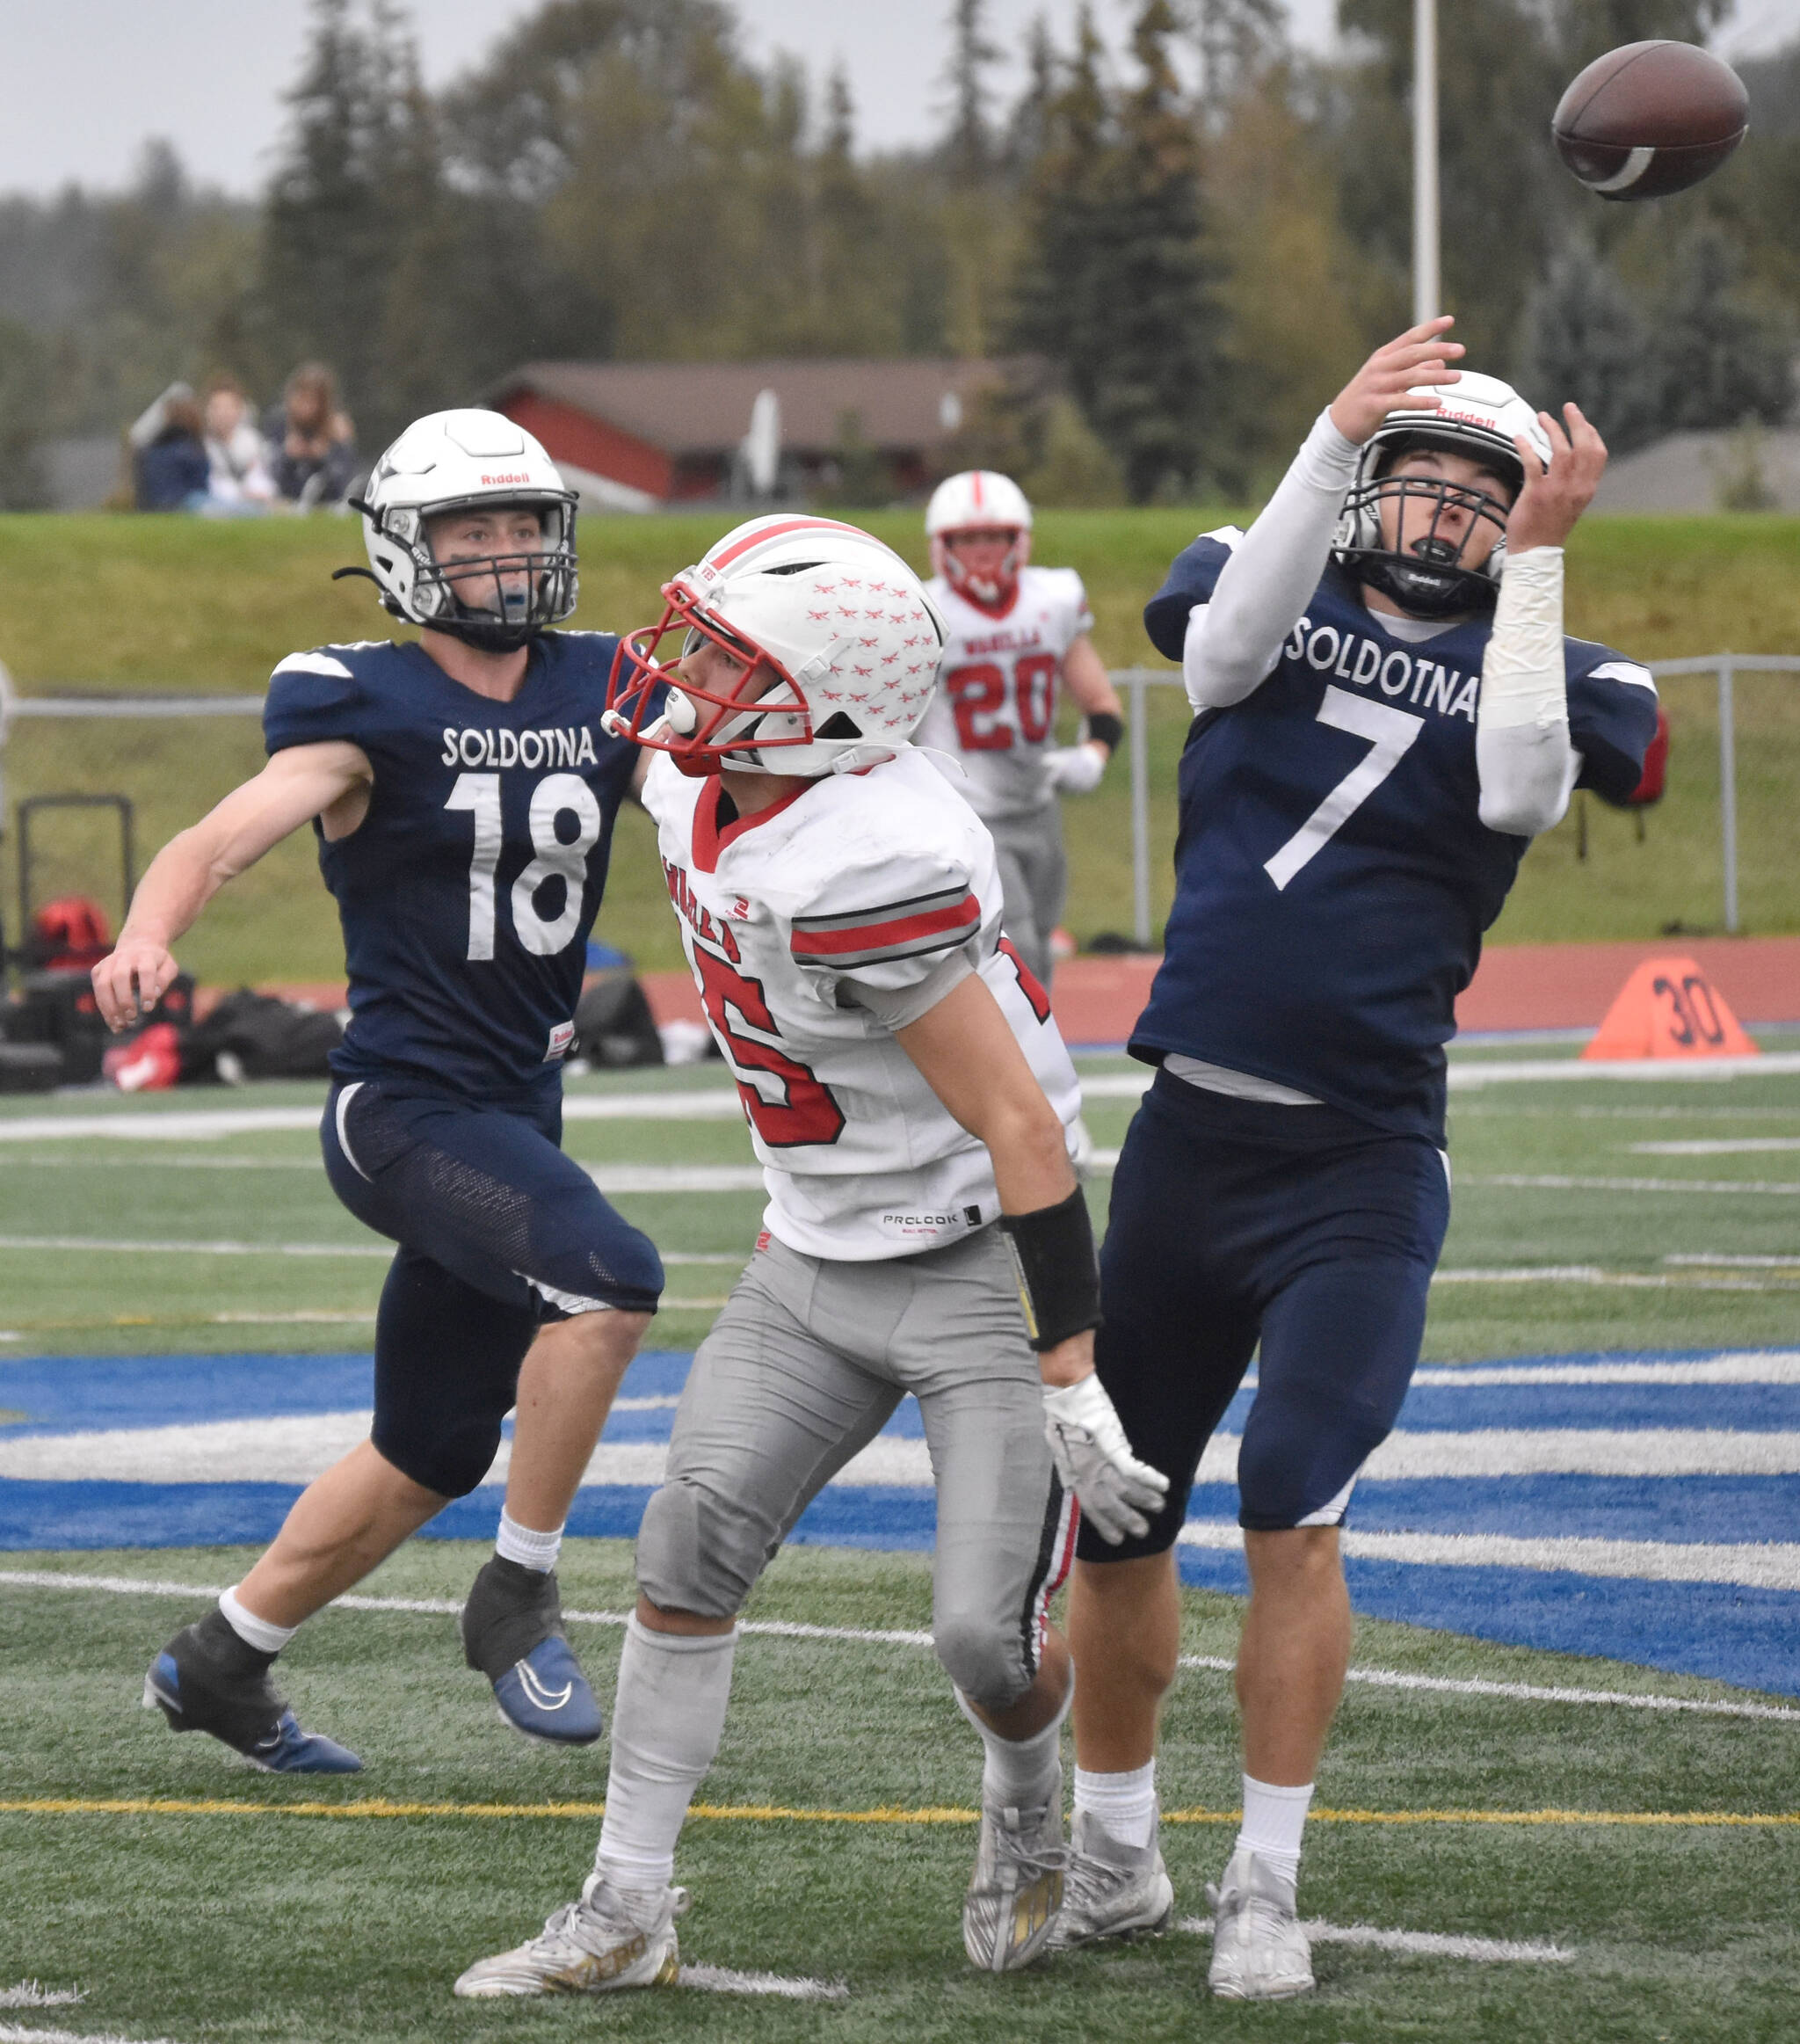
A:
(315, 460)
(237, 456)
(171, 468)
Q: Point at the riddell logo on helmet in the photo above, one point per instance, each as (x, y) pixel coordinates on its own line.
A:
(520, 476)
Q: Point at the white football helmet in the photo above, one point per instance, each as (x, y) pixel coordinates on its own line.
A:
(1477, 416)
(450, 460)
(845, 623)
(978, 501)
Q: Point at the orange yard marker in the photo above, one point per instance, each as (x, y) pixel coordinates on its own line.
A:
(1669, 1008)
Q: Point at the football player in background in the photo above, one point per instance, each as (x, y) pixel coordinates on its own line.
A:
(463, 793)
(1388, 711)
(910, 1101)
(1013, 632)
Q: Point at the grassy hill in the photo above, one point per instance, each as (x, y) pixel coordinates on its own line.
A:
(169, 603)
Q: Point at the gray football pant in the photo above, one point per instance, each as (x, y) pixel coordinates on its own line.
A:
(801, 1371)
(1034, 882)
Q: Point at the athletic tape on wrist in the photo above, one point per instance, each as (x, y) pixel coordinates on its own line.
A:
(1053, 1259)
(1108, 729)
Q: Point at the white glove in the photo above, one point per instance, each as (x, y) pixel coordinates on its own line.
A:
(1094, 1460)
(1075, 769)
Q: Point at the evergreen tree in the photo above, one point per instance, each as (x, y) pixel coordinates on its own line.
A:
(1159, 375)
(1585, 342)
(357, 191)
(25, 390)
(1720, 359)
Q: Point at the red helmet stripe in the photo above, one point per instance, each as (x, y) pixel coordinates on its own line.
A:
(976, 480)
(776, 532)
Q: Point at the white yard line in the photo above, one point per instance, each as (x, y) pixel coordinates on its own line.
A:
(31, 1993)
(788, 1629)
(1555, 1182)
(1737, 1263)
(17, 2033)
(724, 1980)
(1591, 1273)
(1420, 1944)
(101, 1244)
(1715, 1146)
(297, 1447)
(1749, 1565)
(1754, 1366)
(1469, 1074)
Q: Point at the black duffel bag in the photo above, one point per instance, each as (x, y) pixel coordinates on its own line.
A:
(258, 1036)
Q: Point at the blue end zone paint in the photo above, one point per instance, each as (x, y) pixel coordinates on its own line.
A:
(1749, 1637)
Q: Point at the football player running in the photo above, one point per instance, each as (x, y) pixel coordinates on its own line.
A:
(463, 793)
(1388, 712)
(1012, 633)
(910, 1101)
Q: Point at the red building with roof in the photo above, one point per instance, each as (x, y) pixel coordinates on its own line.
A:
(637, 435)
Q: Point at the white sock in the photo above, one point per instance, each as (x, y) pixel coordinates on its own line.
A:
(1273, 1820)
(1124, 1805)
(253, 1631)
(1020, 1774)
(525, 1545)
(667, 1717)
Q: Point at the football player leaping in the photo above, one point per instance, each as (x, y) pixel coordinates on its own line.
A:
(910, 1101)
(1012, 633)
(1388, 712)
(463, 795)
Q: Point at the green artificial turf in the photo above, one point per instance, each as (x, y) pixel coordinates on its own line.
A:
(127, 602)
(242, 1925)
(267, 1189)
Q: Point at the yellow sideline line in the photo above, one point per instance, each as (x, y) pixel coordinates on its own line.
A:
(778, 1814)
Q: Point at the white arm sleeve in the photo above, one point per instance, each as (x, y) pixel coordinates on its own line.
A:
(1232, 642)
(1523, 756)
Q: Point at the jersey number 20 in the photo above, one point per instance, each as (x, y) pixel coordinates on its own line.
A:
(978, 695)
(554, 795)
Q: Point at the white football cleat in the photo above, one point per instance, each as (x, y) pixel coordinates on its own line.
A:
(610, 1937)
(1016, 1890)
(1112, 1890)
(1259, 1951)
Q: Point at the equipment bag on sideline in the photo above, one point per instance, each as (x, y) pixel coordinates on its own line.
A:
(258, 1036)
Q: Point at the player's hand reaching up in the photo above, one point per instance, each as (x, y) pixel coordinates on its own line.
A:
(1116, 1492)
(1546, 509)
(1421, 355)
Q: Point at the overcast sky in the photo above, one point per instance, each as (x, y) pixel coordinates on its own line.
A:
(89, 81)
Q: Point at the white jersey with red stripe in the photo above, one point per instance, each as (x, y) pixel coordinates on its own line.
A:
(816, 927)
(995, 710)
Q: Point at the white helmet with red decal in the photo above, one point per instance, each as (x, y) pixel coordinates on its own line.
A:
(841, 620)
(979, 501)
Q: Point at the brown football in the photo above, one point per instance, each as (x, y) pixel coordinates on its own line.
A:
(1651, 118)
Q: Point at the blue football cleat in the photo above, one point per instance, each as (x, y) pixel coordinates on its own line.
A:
(289, 1751)
(546, 1696)
(207, 1679)
(511, 1631)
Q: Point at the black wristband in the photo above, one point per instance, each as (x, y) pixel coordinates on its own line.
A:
(1059, 1281)
(1108, 729)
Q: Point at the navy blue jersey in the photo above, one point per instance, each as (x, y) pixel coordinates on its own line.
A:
(1334, 877)
(467, 892)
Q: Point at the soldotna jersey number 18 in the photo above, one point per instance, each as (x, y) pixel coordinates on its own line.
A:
(995, 710)
(813, 928)
(468, 891)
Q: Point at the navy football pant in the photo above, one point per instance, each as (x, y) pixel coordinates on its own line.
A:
(499, 1232)
(1237, 1222)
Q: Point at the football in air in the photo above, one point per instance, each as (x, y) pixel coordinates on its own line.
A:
(1649, 119)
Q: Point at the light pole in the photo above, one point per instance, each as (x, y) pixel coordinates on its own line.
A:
(1425, 160)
